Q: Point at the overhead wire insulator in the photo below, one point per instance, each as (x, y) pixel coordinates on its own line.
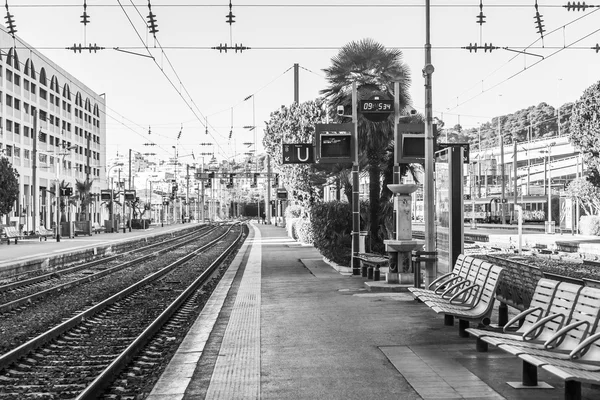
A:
(230, 17)
(539, 21)
(85, 18)
(10, 22)
(471, 48)
(152, 20)
(597, 48)
(221, 48)
(489, 47)
(577, 6)
(240, 48)
(481, 17)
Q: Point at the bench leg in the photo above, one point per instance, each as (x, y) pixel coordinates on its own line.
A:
(370, 272)
(481, 346)
(572, 390)
(463, 325)
(502, 314)
(448, 320)
(530, 376)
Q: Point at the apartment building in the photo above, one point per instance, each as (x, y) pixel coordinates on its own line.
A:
(52, 127)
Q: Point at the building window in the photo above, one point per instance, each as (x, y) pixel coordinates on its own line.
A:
(9, 100)
(26, 131)
(9, 75)
(43, 94)
(17, 152)
(17, 129)
(9, 151)
(33, 87)
(26, 154)
(26, 84)
(17, 104)
(17, 80)
(9, 125)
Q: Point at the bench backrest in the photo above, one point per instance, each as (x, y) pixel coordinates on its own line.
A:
(563, 303)
(587, 311)
(486, 295)
(540, 302)
(11, 231)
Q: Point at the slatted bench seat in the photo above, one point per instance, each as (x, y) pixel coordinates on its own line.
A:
(96, 228)
(550, 307)
(481, 308)
(11, 232)
(42, 232)
(463, 290)
(371, 264)
(442, 283)
(561, 340)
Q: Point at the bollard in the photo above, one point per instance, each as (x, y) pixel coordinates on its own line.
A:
(370, 272)
(377, 273)
(363, 271)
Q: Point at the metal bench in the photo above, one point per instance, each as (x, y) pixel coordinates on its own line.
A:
(566, 342)
(42, 232)
(480, 302)
(96, 228)
(11, 232)
(371, 263)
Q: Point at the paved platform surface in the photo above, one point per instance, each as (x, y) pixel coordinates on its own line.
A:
(29, 249)
(285, 325)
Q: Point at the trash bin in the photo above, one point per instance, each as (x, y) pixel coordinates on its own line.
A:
(550, 227)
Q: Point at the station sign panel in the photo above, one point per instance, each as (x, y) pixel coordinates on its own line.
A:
(466, 149)
(129, 195)
(335, 143)
(298, 153)
(105, 195)
(410, 146)
(376, 109)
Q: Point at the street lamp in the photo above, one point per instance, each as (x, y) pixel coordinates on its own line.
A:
(58, 194)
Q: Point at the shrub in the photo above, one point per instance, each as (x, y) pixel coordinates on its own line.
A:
(293, 211)
(332, 226)
(590, 225)
(304, 231)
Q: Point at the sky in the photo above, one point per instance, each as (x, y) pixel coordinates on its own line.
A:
(159, 90)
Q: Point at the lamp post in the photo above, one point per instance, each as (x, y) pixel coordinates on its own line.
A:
(549, 173)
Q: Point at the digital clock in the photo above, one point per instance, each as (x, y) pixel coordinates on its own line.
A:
(376, 106)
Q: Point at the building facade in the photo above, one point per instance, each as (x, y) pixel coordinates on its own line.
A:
(52, 128)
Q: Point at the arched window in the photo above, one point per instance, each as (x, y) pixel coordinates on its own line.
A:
(66, 92)
(12, 59)
(78, 101)
(88, 105)
(96, 111)
(54, 84)
(29, 68)
(43, 79)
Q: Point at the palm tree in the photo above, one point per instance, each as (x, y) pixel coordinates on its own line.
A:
(374, 69)
(84, 196)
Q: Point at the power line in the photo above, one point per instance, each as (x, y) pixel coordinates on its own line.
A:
(296, 5)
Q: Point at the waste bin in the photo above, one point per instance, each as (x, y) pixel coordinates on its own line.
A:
(550, 227)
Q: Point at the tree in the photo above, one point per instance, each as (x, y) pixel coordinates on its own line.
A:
(84, 195)
(374, 69)
(585, 127)
(587, 194)
(9, 183)
(295, 124)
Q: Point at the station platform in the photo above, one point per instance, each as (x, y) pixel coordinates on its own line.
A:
(283, 324)
(31, 249)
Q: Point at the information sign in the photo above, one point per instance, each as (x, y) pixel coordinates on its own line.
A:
(298, 153)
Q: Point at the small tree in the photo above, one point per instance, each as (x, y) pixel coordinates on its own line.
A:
(9, 183)
(587, 194)
(585, 128)
(84, 196)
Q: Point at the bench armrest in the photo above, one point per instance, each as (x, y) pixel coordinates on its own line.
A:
(558, 336)
(438, 279)
(463, 291)
(540, 324)
(583, 347)
(448, 291)
(519, 317)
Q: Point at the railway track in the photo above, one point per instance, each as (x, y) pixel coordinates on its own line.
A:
(25, 292)
(80, 357)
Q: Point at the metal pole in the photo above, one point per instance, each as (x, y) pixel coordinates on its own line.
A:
(549, 192)
(268, 203)
(428, 188)
(296, 84)
(396, 176)
(355, 189)
(515, 175)
(502, 177)
(34, 172)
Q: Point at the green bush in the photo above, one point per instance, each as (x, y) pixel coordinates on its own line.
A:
(304, 231)
(293, 211)
(332, 227)
(590, 225)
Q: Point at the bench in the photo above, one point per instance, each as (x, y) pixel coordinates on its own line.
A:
(517, 286)
(479, 307)
(11, 232)
(42, 232)
(96, 228)
(370, 264)
(447, 285)
(565, 342)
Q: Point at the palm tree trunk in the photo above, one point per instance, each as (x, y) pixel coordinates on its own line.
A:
(374, 189)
